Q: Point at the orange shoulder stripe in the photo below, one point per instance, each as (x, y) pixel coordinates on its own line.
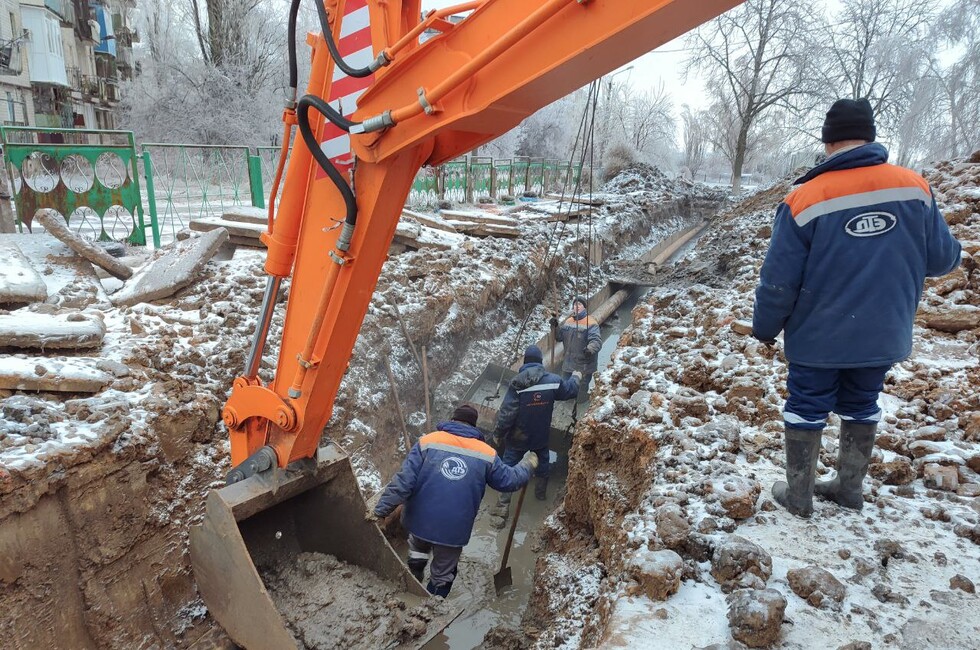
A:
(845, 182)
(446, 438)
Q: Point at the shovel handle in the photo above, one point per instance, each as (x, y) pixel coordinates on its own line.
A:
(513, 527)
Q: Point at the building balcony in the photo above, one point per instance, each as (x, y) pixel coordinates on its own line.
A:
(65, 9)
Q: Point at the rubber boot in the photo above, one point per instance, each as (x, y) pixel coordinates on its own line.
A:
(796, 493)
(439, 590)
(856, 444)
(541, 488)
(417, 567)
(502, 508)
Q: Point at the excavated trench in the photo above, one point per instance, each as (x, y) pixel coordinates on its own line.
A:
(93, 537)
(474, 589)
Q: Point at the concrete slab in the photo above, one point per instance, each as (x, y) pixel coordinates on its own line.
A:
(55, 330)
(171, 270)
(19, 281)
(76, 375)
(234, 228)
(55, 225)
(71, 280)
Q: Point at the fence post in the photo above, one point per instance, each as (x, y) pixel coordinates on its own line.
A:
(493, 180)
(151, 198)
(441, 182)
(510, 178)
(468, 180)
(255, 180)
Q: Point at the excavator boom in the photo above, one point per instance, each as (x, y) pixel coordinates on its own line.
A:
(379, 105)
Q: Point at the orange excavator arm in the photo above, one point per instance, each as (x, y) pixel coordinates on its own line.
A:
(350, 172)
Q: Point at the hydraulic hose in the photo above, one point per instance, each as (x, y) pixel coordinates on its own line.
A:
(338, 59)
(303, 120)
(291, 50)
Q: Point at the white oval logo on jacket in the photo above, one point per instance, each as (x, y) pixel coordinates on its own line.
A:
(453, 468)
(870, 224)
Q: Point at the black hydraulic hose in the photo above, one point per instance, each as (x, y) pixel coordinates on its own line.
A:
(332, 46)
(293, 69)
(303, 121)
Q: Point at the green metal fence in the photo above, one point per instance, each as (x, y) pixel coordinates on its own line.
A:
(185, 182)
(93, 178)
(90, 177)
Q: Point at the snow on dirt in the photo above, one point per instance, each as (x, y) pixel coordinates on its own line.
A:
(331, 604)
(151, 440)
(684, 439)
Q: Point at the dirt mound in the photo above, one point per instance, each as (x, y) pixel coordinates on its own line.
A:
(684, 435)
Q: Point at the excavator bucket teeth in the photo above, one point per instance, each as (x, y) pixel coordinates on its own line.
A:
(267, 521)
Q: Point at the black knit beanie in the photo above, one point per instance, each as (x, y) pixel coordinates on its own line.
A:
(533, 354)
(849, 119)
(466, 414)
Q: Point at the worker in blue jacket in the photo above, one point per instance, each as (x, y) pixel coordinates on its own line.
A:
(442, 483)
(582, 341)
(524, 420)
(850, 250)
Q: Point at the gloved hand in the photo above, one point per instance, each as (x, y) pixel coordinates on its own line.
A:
(530, 461)
(766, 342)
(577, 374)
(554, 321)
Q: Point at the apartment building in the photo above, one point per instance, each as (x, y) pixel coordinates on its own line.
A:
(66, 59)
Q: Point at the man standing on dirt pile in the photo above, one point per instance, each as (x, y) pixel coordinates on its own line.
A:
(850, 250)
(442, 483)
(582, 340)
(524, 419)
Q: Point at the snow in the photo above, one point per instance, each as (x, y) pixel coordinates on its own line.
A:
(680, 349)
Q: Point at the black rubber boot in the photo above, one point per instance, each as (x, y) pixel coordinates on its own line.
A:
(802, 451)
(541, 488)
(856, 444)
(417, 567)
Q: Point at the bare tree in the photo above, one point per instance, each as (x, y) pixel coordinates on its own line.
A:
(695, 140)
(645, 120)
(877, 49)
(959, 25)
(755, 58)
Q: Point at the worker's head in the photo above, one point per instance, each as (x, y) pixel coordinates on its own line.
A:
(533, 354)
(579, 305)
(466, 414)
(849, 122)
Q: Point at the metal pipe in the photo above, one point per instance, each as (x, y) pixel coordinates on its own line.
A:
(262, 326)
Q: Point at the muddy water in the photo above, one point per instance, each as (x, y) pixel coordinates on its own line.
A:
(481, 557)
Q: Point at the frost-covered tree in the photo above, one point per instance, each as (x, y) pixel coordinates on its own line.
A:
(644, 122)
(878, 49)
(695, 140)
(755, 58)
(959, 99)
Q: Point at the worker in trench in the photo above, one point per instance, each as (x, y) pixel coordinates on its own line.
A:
(850, 250)
(582, 341)
(524, 420)
(441, 484)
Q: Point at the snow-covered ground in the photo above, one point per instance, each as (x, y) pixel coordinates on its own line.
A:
(683, 441)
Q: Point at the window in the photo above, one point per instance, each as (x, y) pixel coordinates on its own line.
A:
(13, 26)
(11, 107)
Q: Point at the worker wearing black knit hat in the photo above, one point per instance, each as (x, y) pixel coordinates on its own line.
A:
(851, 247)
(442, 483)
(524, 418)
(849, 119)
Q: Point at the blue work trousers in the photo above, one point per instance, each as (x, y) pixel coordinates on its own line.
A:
(513, 455)
(851, 393)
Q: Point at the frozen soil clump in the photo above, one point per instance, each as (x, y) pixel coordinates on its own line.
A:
(331, 604)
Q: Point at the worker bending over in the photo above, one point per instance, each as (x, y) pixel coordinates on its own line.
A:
(442, 483)
(524, 419)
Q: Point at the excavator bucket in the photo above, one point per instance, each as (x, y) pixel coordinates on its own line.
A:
(259, 526)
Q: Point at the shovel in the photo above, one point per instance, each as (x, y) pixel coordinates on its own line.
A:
(504, 577)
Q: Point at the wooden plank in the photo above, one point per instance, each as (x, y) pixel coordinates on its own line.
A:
(56, 226)
(429, 220)
(455, 216)
(247, 214)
